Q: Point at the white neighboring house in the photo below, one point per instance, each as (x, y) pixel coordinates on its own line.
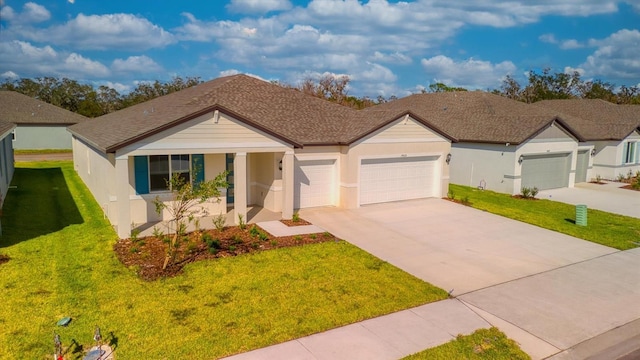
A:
(501, 144)
(6, 158)
(39, 125)
(611, 130)
(284, 150)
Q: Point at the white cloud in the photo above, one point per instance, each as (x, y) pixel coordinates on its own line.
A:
(101, 32)
(258, 6)
(391, 58)
(471, 73)
(7, 13)
(548, 38)
(570, 70)
(9, 75)
(120, 88)
(136, 64)
(617, 56)
(571, 44)
(32, 61)
(31, 13)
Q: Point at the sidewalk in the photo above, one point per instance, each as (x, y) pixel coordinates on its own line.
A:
(388, 337)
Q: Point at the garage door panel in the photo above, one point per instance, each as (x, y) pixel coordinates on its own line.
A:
(548, 171)
(394, 179)
(314, 183)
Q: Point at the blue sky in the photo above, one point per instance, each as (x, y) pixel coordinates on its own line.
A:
(385, 47)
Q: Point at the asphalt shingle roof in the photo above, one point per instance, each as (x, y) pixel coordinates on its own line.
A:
(476, 116)
(597, 119)
(6, 126)
(22, 109)
(288, 114)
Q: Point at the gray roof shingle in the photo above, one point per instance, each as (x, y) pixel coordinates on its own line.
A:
(22, 109)
(477, 116)
(597, 119)
(6, 126)
(288, 114)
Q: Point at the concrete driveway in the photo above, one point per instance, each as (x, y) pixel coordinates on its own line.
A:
(609, 197)
(547, 291)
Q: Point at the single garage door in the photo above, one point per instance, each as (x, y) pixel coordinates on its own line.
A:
(582, 165)
(548, 171)
(393, 179)
(314, 183)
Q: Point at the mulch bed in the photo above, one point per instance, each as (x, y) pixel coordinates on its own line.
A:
(630, 187)
(300, 222)
(147, 254)
(524, 198)
(4, 259)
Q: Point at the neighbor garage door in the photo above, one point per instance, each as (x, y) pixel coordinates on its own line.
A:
(582, 165)
(549, 171)
(393, 179)
(314, 183)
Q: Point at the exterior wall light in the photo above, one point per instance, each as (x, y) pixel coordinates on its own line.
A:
(593, 152)
(520, 159)
(280, 165)
(448, 159)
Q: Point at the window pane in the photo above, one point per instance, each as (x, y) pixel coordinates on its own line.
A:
(180, 165)
(158, 172)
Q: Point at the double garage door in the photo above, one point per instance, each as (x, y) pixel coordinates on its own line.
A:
(381, 180)
(548, 171)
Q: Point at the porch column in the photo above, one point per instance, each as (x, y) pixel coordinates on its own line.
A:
(287, 185)
(240, 186)
(122, 195)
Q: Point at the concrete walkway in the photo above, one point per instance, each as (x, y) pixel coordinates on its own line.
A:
(387, 337)
(607, 197)
(551, 293)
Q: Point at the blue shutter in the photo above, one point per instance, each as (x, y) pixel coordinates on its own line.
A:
(197, 166)
(141, 171)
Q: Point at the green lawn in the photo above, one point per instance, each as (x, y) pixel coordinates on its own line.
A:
(62, 264)
(41, 151)
(489, 344)
(617, 231)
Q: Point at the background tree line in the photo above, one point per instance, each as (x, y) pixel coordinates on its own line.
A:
(91, 102)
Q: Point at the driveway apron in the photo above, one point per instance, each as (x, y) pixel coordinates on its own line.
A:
(609, 197)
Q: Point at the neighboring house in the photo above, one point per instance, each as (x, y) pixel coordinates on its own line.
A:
(612, 130)
(6, 159)
(285, 150)
(39, 125)
(500, 144)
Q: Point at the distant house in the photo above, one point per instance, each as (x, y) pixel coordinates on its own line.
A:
(6, 158)
(39, 125)
(500, 144)
(284, 150)
(612, 130)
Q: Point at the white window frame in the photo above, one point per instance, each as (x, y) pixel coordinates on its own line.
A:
(629, 157)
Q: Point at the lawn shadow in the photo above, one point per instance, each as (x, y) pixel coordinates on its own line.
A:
(38, 203)
(570, 221)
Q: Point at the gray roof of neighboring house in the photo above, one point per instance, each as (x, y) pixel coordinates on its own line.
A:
(6, 126)
(597, 119)
(287, 114)
(476, 116)
(22, 109)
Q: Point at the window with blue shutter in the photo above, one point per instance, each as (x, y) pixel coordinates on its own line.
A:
(141, 172)
(197, 167)
(625, 151)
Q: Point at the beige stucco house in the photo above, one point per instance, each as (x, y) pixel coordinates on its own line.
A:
(613, 131)
(39, 125)
(501, 144)
(285, 150)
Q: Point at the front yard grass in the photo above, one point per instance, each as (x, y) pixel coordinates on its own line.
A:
(616, 231)
(489, 344)
(61, 263)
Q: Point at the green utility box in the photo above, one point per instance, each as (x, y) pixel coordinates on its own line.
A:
(581, 215)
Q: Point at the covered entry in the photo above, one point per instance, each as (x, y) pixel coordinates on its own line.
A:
(582, 165)
(547, 171)
(399, 178)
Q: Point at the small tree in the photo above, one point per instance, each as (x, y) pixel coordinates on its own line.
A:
(185, 200)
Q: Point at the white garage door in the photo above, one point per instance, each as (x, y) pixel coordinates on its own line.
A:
(393, 179)
(314, 183)
(549, 171)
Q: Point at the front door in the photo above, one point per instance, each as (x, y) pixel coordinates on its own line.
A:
(230, 190)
